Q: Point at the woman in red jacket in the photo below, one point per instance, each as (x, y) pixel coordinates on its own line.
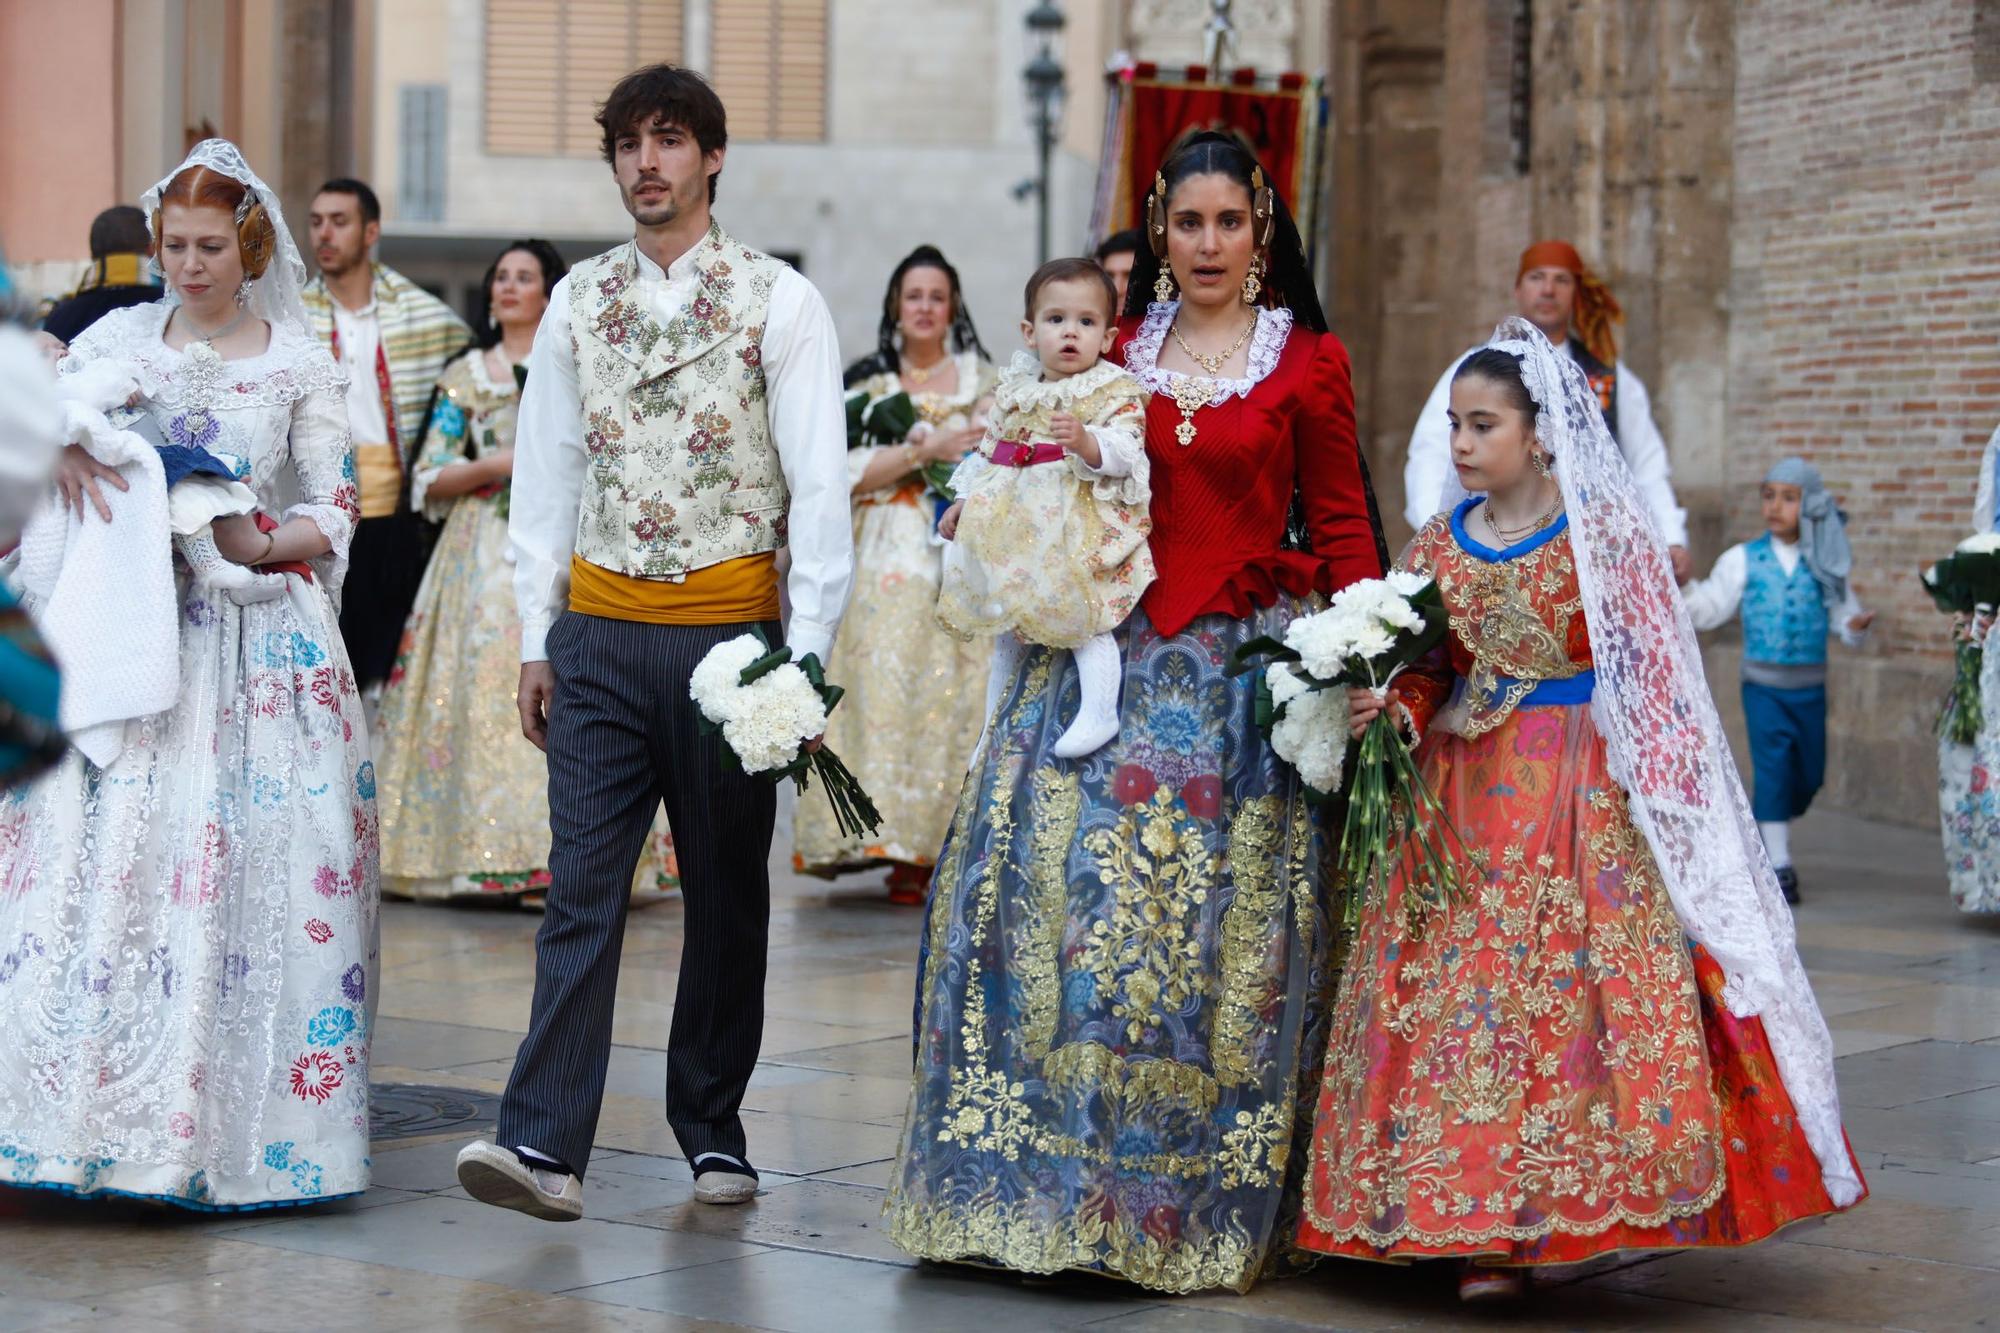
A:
(1125, 975)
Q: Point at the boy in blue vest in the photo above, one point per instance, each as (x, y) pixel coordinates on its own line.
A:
(1791, 585)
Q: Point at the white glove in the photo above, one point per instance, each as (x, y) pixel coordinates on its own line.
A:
(211, 569)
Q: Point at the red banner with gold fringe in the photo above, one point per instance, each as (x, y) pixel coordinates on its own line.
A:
(1283, 119)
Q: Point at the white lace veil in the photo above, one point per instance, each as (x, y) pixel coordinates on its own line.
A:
(1983, 519)
(1665, 744)
(276, 295)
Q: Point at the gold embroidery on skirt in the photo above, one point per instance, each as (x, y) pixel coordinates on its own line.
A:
(1091, 1066)
(1038, 939)
(984, 1110)
(1145, 955)
(1259, 901)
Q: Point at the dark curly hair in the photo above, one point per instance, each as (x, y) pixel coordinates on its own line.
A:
(673, 95)
(884, 359)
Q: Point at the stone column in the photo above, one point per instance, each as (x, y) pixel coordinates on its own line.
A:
(318, 104)
(1387, 66)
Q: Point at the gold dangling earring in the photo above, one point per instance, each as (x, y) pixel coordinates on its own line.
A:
(1163, 286)
(1541, 461)
(1253, 282)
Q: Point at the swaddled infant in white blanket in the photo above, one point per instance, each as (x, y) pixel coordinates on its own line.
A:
(204, 491)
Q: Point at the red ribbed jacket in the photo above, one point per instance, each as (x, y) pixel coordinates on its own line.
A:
(1219, 504)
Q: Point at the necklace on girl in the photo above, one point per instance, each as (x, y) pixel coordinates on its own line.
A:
(1509, 536)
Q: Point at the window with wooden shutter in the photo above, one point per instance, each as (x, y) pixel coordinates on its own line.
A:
(769, 67)
(549, 66)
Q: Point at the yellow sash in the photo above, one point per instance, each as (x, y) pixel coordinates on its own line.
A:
(732, 592)
(378, 478)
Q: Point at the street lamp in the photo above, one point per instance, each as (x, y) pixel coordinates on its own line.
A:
(1044, 76)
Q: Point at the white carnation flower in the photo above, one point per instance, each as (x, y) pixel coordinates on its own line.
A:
(716, 682)
(779, 711)
(1399, 614)
(1322, 641)
(1981, 543)
(1408, 583)
(1284, 682)
(1312, 738)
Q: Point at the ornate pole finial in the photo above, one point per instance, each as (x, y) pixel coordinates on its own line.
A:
(1219, 37)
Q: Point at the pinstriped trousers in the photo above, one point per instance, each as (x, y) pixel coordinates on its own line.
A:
(623, 738)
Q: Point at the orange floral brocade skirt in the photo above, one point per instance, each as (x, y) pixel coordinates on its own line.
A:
(1542, 1069)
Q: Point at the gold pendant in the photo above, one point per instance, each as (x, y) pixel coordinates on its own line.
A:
(1190, 395)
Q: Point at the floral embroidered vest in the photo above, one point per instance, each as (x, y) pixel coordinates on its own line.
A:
(1784, 620)
(682, 472)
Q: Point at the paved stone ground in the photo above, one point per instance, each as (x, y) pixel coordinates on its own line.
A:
(1911, 988)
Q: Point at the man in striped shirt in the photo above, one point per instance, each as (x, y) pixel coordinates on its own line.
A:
(393, 339)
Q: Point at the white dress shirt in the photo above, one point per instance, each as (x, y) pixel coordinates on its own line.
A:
(1429, 464)
(1714, 601)
(360, 336)
(801, 362)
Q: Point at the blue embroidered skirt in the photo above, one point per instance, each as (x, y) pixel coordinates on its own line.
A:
(1124, 985)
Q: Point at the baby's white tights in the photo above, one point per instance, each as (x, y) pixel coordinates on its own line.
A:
(1097, 669)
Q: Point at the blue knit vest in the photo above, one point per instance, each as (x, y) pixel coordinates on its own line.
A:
(1784, 620)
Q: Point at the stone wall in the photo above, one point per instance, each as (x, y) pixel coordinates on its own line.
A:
(1797, 205)
(1864, 327)
(1389, 219)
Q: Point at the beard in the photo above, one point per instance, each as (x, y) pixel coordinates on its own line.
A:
(343, 263)
(656, 212)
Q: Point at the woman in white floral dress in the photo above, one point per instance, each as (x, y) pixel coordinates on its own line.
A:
(464, 796)
(188, 934)
(1969, 775)
(915, 693)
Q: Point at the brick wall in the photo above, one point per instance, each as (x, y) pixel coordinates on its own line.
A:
(1864, 327)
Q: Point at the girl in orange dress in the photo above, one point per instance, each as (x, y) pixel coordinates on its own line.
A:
(1603, 1039)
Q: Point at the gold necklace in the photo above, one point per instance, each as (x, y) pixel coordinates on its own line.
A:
(921, 375)
(1509, 536)
(1213, 364)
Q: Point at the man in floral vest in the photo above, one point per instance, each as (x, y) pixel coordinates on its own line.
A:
(682, 421)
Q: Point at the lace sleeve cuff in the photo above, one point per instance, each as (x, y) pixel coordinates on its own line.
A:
(336, 524)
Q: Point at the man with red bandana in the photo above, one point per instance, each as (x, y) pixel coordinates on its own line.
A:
(1565, 300)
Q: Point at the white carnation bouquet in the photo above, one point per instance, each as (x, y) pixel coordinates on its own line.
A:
(1368, 633)
(767, 707)
(1966, 583)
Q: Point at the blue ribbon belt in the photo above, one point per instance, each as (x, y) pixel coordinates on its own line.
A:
(1575, 689)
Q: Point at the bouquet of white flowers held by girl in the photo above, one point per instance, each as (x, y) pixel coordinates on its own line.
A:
(1368, 633)
(1966, 583)
(767, 707)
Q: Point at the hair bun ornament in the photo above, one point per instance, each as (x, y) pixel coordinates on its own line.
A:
(1263, 204)
(1156, 216)
(244, 204)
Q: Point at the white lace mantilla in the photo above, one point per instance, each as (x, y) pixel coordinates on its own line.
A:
(1142, 353)
(275, 296)
(1665, 744)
